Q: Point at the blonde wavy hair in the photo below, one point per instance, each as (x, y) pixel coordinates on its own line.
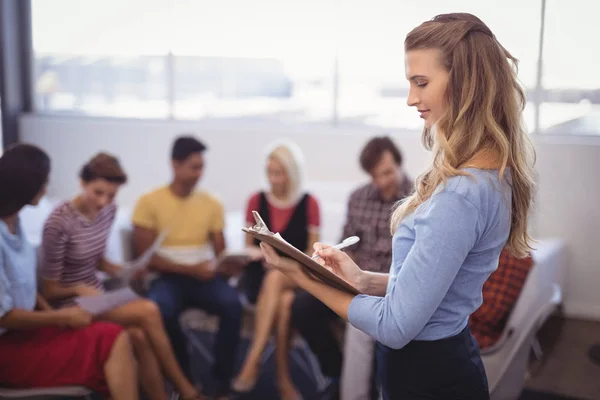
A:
(483, 114)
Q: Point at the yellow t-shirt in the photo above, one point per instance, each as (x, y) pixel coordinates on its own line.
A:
(190, 220)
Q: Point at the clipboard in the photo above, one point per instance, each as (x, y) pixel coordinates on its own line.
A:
(261, 232)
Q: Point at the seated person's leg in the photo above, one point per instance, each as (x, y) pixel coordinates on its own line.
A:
(146, 315)
(98, 357)
(167, 293)
(251, 280)
(359, 352)
(375, 379)
(312, 319)
(283, 339)
(150, 374)
(119, 370)
(218, 298)
(269, 300)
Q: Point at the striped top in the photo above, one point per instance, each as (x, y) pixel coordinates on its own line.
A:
(17, 271)
(73, 247)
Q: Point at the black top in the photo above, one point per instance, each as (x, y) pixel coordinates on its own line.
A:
(296, 230)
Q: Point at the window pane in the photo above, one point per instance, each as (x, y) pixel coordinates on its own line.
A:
(256, 59)
(570, 69)
(105, 58)
(373, 88)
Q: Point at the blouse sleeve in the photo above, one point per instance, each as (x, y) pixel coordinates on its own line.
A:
(445, 232)
(6, 301)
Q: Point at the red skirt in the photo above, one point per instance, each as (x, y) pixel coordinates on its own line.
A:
(52, 357)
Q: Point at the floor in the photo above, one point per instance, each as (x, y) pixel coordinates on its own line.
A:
(565, 372)
(566, 369)
(529, 394)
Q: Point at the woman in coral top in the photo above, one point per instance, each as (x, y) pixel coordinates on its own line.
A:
(286, 209)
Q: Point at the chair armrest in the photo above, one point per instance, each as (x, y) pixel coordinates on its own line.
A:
(509, 331)
(499, 344)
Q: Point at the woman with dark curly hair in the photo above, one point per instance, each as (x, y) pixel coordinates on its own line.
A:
(40, 346)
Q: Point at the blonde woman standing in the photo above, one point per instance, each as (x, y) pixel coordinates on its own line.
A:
(448, 235)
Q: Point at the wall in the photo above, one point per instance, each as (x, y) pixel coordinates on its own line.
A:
(568, 174)
(567, 207)
(235, 159)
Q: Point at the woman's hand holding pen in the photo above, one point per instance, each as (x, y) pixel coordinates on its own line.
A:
(339, 263)
(333, 259)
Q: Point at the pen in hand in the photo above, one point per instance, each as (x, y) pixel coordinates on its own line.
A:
(345, 243)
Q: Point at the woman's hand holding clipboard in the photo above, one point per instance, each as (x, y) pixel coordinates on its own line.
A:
(332, 266)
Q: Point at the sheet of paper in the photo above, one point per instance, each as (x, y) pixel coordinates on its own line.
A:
(104, 302)
(131, 267)
(187, 255)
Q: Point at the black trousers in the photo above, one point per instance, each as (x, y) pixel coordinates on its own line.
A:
(446, 369)
(251, 280)
(313, 320)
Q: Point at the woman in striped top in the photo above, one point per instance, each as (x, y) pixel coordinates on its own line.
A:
(73, 246)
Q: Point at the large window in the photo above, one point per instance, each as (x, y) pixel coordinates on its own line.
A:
(185, 58)
(325, 61)
(258, 58)
(570, 77)
(106, 58)
(371, 35)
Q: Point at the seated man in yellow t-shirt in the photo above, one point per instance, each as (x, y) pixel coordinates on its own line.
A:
(185, 262)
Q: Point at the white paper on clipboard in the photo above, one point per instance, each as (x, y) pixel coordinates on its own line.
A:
(131, 267)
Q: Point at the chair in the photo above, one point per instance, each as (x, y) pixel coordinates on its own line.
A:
(506, 366)
(506, 362)
(126, 243)
(65, 392)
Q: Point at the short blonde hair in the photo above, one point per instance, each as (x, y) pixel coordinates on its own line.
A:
(290, 156)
